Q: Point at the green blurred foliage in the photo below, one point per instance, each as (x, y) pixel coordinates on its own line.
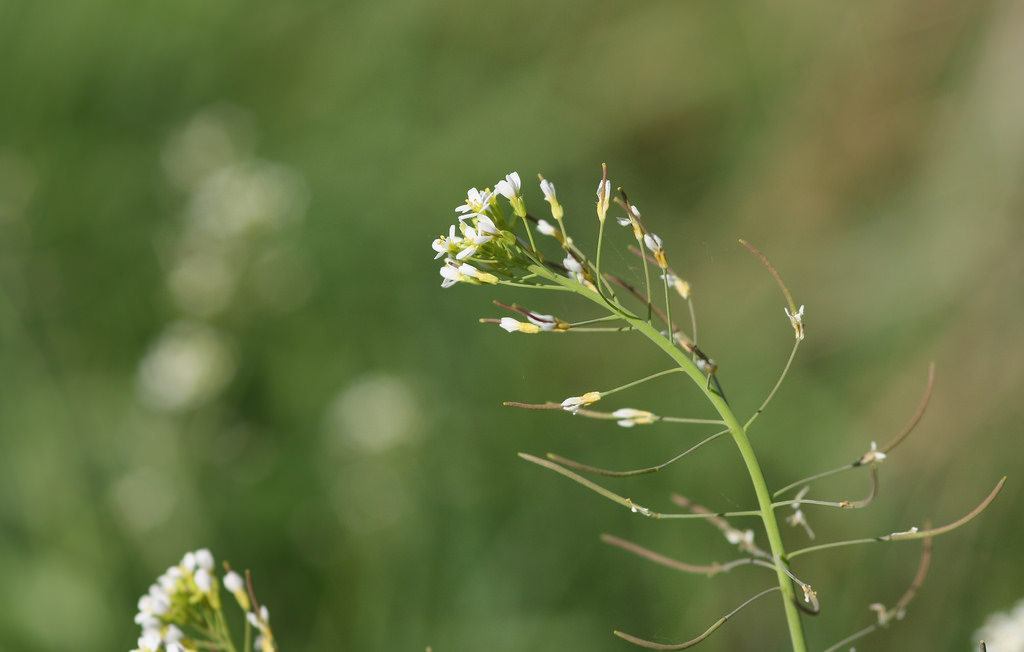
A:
(221, 325)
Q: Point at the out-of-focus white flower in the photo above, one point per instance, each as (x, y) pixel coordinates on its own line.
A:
(169, 581)
(173, 634)
(653, 243)
(247, 197)
(233, 581)
(150, 640)
(798, 517)
(628, 417)
(571, 264)
(743, 539)
(188, 365)
(204, 559)
(1003, 631)
(545, 228)
(681, 287)
(873, 455)
(203, 580)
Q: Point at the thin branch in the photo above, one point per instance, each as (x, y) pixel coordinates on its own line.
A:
(674, 564)
(771, 268)
(844, 504)
(816, 476)
(625, 474)
(689, 299)
(885, 449)
(922, 572)
(934, 532)
(885, 616)
(644, 299)
(917, 415)
(682, 646)
(912, 533)
(851, 638)
(616, 498)
(810, 595)
(743, 540)
(778, 383)
(609, 416)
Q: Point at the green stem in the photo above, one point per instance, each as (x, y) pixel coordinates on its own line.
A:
(764, 497)
(739, 435)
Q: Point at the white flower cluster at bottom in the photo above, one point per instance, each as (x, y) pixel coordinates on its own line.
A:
(182, 610)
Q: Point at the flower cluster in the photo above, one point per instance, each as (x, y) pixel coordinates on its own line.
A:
(482, 237)
(182, 610)
(481, 248)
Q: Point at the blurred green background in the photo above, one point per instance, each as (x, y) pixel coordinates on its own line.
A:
(221, 324)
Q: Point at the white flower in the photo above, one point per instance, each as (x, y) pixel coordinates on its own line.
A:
(152, 605)
(477, 201)
(484, 231)
(548, 189)
(509, 187)
(574, 403)
(173, 634)
(623, 221)
(472, 272)
(544, 322)
(873, 455)
(550, 197)
(681, 287)
(204, 580)
(170, 579)
(454, 272)
(451, 275)
(233, 581)
(150, 640)
(797, 321)
(1004, 631)
(450, 245)
(204, 558)
(653, 243)
(628, 417)
(604, 189)
(545, 228)
(798, 517)
(571, 264)
(513, 326)
(744, 539)
(466, 252)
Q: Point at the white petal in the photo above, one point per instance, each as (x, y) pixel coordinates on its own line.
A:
(509, 324)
